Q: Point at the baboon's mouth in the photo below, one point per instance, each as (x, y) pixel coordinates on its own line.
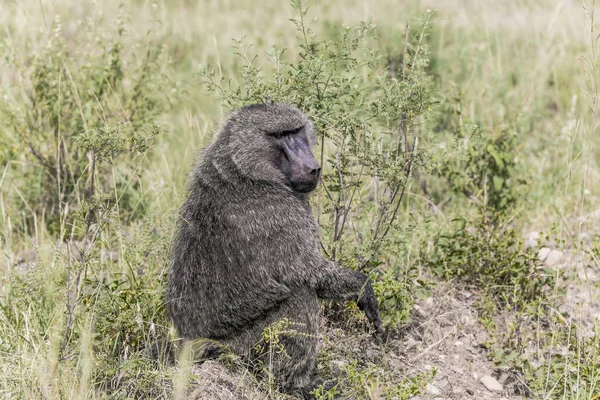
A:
(304, 186)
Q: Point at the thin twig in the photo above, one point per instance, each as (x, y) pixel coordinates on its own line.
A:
(405, 53)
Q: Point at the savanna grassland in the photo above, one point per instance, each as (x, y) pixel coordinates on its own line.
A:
(460, 151)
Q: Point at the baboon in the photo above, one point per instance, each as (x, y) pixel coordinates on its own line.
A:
(246, 250)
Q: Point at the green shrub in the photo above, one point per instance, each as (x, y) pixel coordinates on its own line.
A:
(368, 117)
(489, 254)
(88, 102)
(483, 167)
(78, 136)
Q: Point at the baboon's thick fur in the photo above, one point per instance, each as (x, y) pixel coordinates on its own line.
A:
(246, 252)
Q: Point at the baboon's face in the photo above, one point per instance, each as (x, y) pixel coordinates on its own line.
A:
(273, 142)
(296, 161)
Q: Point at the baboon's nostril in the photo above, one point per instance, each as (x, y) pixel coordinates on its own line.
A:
(315, 171)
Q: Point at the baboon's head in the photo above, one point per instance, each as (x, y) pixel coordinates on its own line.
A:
(272, 142)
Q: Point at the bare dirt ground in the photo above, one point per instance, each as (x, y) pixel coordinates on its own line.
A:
(446, 335)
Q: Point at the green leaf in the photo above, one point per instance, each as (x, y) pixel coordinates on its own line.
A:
(498, 182)
(497, 157)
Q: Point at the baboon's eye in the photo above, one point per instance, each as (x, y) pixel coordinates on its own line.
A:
(288, 132)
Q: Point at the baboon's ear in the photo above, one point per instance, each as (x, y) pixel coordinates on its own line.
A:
(311, 133)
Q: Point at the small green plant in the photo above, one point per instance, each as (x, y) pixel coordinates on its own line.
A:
(271, 350)
(481, 165)
(483, 248)
(395, 294)
(321, 393)
(370, 383)
(489, 254)
(576, 371)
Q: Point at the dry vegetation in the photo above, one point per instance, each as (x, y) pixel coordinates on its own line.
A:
(489, 268)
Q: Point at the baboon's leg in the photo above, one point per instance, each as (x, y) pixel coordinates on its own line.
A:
(293, 359)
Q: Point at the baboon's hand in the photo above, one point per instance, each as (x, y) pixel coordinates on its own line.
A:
(367, 302)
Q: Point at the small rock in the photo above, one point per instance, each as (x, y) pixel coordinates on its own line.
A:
(442, 383)
(458, 390)
(550, 257)
(533, 239)
(111, 255)
(432, 389)
(410, 343)
(338, 367)
(543, 253)
(554, 258)
(458, 343)
(491, 383)
(456, 369)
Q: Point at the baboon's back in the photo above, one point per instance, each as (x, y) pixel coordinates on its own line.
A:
(236, 255)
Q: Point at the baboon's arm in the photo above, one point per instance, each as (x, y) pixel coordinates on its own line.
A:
(335, 282)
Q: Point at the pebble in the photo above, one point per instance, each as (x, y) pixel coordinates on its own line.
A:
(442, 383)
(491, 383)
(533, 239)
(554, 258)
(410, 343)
(459, 390)
(458, 370)
(550, 257)
(432, 389)
(543, 253)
